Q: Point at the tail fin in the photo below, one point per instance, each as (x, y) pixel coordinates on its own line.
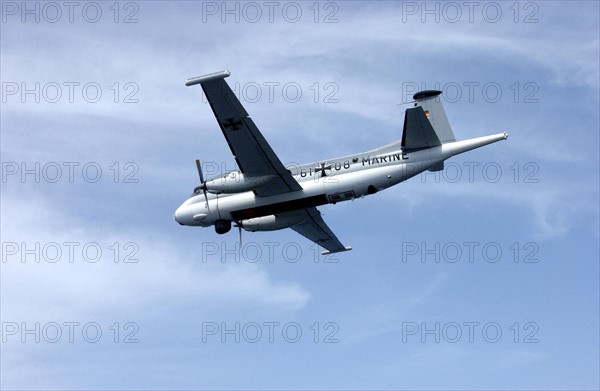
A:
(426, 124)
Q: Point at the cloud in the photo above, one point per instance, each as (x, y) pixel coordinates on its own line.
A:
(369, 53)
(531, 191)
(348, 54)
(168, 288)
(81, 282)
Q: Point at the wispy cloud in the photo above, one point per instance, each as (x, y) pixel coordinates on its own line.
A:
(165, 273)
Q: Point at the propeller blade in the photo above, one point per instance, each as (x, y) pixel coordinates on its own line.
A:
(202, 180)
(240, 226)
(200, 171)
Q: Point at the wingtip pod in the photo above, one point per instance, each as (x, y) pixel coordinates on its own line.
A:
(327, 252)
(505, 135)
(206, 78)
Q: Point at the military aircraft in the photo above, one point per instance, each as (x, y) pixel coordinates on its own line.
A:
(264, 195)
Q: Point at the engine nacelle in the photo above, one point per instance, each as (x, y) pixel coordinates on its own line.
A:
(235, 182)
(271, 223)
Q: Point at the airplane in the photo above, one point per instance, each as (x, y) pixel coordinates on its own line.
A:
(264, 195)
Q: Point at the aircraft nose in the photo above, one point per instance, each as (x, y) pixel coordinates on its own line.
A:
(178, 216)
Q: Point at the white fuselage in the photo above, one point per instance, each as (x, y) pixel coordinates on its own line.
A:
(328, 181)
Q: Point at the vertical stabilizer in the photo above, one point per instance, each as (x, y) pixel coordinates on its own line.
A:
(426, 124)
(431, 103)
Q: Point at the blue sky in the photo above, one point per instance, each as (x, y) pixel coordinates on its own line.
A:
(482, 277)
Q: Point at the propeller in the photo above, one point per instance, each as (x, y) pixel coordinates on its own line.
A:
(239, 225)
(202, 184)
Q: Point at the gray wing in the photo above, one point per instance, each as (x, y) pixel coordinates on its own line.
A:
(254, 156)
(314, 228)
